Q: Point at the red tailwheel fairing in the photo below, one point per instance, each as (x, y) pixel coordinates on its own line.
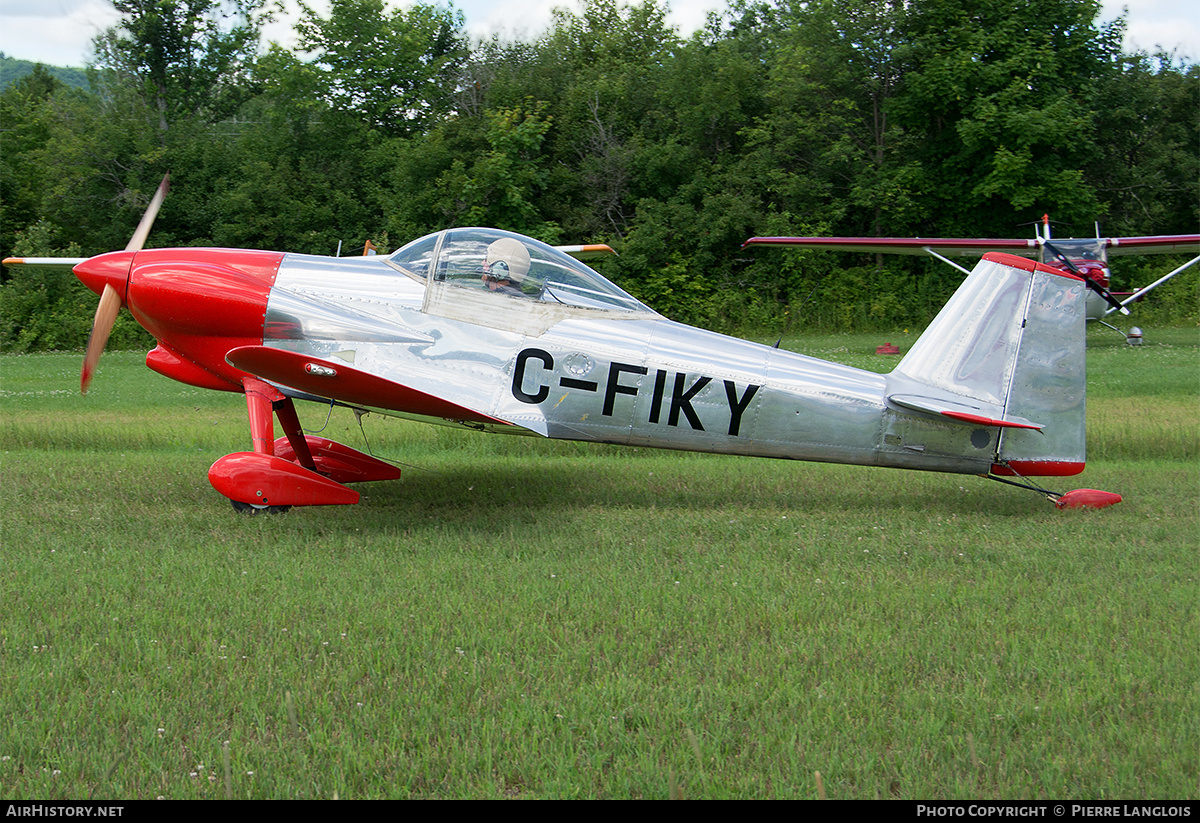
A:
(1075, 499)
(1087, 499)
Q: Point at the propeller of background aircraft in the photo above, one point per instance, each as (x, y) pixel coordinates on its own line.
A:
(1091, 283)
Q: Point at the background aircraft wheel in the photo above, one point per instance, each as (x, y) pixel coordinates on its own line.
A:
(251, 509)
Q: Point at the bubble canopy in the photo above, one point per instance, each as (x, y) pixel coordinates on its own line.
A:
(510, 266)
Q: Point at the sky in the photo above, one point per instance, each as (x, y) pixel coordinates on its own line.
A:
(60, 32)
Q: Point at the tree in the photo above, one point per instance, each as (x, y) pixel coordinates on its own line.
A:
(831, 88)
(1146, 168)
(1001, 95)
(501, 187)
(604, 73)
(184, 61)
(24, 111)
(397, 70)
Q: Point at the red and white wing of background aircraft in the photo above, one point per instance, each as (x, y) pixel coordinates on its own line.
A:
(1086, 258)
(493, 331)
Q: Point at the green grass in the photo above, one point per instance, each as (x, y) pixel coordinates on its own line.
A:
(525, 619)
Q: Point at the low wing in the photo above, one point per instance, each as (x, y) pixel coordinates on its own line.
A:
(61, 263)
(341, 382)
(587, 252)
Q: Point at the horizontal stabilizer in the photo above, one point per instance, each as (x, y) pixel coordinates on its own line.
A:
(962, 412)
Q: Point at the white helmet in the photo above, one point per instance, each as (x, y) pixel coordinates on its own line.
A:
(508, 259)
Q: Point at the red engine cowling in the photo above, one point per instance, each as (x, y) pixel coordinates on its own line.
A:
(199, 304)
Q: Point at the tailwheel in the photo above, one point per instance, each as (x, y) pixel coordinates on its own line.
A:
(1076, 499)
(249, 509)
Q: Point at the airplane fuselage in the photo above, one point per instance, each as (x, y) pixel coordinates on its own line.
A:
(637, 379)
(538, 344)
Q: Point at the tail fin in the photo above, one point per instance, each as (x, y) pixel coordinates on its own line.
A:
(1007, 351)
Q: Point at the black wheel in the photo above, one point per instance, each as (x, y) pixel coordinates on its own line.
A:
(251, 509)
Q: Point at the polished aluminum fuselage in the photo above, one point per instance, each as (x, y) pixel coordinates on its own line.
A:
(615, 377)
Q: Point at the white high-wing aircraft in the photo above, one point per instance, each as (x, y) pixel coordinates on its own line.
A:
(1086, 258)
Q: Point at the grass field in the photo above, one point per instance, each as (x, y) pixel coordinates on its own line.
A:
(524, 619)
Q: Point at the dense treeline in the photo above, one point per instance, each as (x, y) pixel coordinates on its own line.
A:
(856, 117)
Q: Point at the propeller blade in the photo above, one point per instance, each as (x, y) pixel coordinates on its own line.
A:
(143, 230)
(1089, 282)
(106, 315)
(110, 298)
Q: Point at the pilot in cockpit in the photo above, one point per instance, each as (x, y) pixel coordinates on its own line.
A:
(506, 266)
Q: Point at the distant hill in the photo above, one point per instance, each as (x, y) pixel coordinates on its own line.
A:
(12, 70)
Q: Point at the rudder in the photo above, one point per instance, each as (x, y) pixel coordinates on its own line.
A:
(1007, 351)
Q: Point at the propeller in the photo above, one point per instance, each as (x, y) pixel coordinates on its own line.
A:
(106, 315)
(110, 298)
(1089, 282)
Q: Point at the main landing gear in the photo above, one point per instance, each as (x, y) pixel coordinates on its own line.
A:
(251, 510)
(295, 470)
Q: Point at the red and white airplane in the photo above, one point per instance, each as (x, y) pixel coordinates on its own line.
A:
(493, 331)
(1086, 258)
